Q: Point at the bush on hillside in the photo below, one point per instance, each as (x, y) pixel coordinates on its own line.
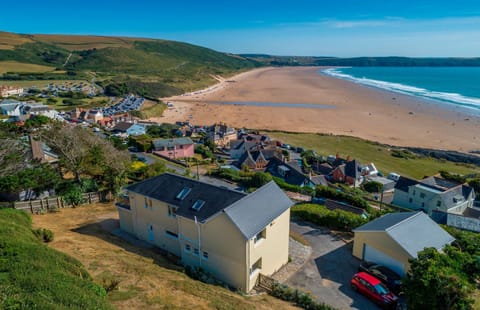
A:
(43, 234)
(353, 198)
(300, 298)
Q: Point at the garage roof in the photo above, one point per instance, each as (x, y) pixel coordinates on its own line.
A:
(413, 231)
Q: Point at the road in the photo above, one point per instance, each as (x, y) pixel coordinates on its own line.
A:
(150, 159)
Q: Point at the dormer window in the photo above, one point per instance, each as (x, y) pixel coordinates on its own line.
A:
(198, 205)
(183, 193)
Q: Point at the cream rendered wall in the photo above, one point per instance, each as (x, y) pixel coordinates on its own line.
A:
(158, 217)
(225, 246)
(382, 242)
(273, 249)
(126, 222)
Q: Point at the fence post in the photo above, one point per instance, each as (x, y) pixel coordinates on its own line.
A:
(41, 204)
(48, 204)
(89, 198)
(31, 207)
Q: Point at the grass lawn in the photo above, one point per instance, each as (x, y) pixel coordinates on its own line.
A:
(145, 279)
(87, 103)
(367, 151)
(14, 66)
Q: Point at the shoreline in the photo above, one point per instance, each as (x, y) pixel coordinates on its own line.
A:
(444, 104)
(369, 113)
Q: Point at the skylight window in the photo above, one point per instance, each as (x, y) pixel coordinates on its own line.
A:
(198, 205)
(183, 193)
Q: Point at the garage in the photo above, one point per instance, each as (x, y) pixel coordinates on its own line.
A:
(395, 238)
(370, 254)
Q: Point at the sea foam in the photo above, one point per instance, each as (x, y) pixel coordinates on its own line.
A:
(452, 98)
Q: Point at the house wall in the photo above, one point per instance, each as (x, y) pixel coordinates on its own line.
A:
(428, 202)
(382, 242)
(126, 220)
(180, 151)
(225, 245)
(157, 217)
(463, 222)
(273, 250)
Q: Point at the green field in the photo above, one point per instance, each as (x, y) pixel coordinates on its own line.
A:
(39, 83)
(14, 66)
(367, 151)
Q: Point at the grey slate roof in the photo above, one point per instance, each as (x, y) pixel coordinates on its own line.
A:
(122, 126)
(403, 183)
(157, 143)
(353, 169)
(293, 176)
(166, 187)
(252, 213)
(413, 231)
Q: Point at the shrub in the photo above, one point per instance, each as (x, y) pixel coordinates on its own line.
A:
(320, 215)
(373, 187)
(353, 198)
(301, 299)
(46, 235)
(71, 193)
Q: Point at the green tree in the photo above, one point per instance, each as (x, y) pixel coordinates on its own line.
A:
(435, 281)
(373, 187)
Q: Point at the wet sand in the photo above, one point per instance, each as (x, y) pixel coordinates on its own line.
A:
(354, 110)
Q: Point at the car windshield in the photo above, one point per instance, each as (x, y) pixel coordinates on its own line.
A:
(381, 289)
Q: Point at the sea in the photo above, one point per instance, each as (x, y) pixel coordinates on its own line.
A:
(455, 86)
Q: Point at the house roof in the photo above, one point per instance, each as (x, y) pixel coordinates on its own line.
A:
(413, 231)
(319, 180)
(292, 176)
(166, 187)
(353, 169)
(404, 183)
(157, 143)
(122, 126)
(253, 212)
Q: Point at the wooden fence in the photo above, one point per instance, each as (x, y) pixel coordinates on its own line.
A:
(264, 283)
(53, 203)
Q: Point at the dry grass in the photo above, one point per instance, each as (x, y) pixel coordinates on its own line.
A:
(299, 238)
(8, 40)
(146, 280)
(14, 66)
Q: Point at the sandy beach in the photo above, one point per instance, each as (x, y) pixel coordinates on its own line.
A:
(352, 110)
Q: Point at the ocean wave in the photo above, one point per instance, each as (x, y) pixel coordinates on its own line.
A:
(454, 98)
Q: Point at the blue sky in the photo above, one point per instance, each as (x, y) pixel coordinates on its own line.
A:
(319, 28)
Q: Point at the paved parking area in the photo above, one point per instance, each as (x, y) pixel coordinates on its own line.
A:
(328, 272)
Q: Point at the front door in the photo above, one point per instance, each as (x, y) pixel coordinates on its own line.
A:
(150, 233)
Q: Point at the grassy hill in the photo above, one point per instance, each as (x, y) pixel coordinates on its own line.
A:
(34, 276)
(150, 67)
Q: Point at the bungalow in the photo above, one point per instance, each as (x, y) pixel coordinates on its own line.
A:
(395, 238)
(174, 148)
(433, 193)
(232, 235)
(128, 129)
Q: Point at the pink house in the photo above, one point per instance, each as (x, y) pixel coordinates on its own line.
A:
(174, 148)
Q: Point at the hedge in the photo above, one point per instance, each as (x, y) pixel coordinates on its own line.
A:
(320, 215)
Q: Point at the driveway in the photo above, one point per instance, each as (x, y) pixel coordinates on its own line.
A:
(328, 272)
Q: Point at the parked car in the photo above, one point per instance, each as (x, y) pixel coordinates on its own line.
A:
(374, 290)
(388, 277)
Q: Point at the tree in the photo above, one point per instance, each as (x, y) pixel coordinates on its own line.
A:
(373, 187)
(82, 152)
(436, 281)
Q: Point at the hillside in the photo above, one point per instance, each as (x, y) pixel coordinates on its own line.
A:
(270, 60)
(34, 276)
(150, 67)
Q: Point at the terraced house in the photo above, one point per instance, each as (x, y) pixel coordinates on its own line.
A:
(233, 235)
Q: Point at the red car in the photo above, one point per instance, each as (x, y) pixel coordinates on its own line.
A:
(374, 289)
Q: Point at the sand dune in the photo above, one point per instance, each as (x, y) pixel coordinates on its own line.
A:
(356, 110)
